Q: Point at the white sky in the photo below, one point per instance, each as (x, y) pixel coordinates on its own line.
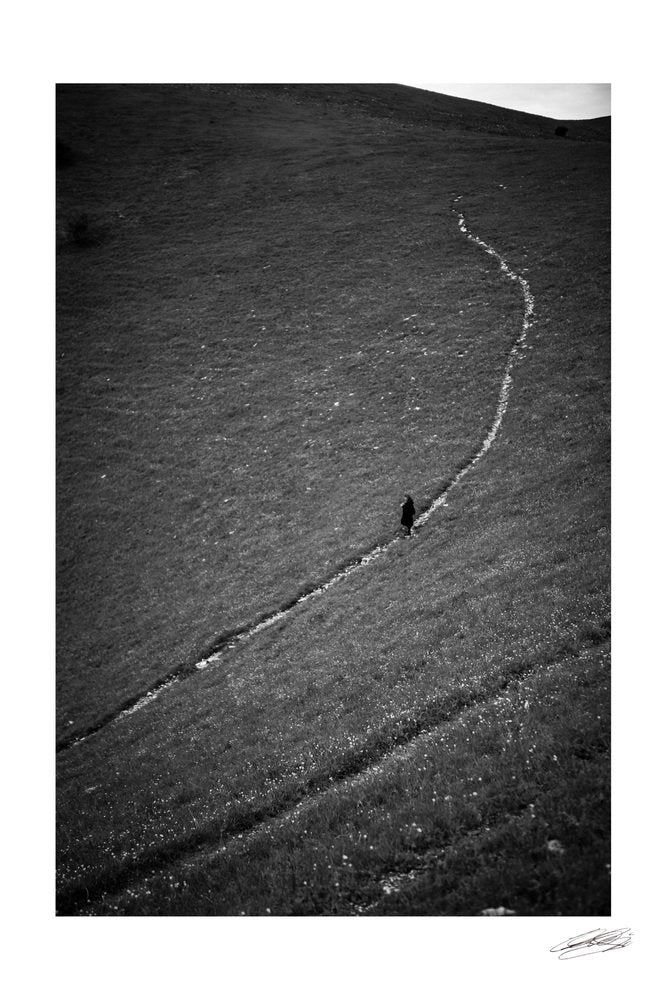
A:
(553, 100)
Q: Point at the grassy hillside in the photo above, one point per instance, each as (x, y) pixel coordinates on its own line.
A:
(270, 327)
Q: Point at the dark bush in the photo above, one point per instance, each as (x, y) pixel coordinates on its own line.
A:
(64, 155)
(560, 130)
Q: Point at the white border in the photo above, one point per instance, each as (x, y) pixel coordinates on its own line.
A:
(349, 42)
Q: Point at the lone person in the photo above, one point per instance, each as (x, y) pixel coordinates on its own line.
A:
(407, 514)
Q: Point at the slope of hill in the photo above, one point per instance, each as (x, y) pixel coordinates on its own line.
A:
(269, 327)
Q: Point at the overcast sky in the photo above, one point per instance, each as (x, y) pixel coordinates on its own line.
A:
(553, 100)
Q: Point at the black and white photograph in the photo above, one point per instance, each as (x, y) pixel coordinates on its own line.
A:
(333, 481)
(317, 544)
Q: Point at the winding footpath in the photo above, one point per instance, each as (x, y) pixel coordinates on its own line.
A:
(226, 642)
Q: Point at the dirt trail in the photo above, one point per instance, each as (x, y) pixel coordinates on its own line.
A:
(216, 650)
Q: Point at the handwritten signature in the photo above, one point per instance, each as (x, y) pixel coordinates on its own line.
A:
(593, 942)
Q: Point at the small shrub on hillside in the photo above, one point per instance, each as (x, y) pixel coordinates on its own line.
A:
(594, 634)
(65, 156)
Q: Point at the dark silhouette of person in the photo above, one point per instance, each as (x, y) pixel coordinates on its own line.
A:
(407, 514)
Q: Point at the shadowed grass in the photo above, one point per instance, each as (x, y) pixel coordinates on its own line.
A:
(248, 393)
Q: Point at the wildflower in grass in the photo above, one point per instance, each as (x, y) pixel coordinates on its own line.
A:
(555, 847)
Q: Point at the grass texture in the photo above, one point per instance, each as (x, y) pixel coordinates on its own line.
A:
(276, 330)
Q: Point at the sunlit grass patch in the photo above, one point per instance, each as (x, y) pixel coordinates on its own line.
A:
(468, 811)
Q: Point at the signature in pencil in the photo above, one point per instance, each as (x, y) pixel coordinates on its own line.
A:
(593, 942)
